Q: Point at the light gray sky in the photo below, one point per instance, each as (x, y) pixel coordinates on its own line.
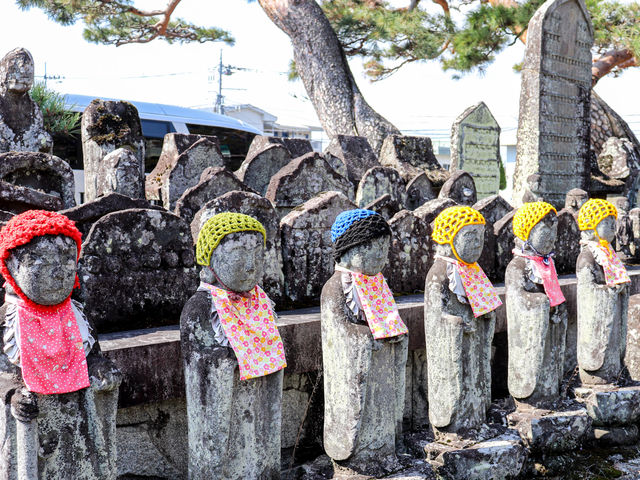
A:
(419, 98)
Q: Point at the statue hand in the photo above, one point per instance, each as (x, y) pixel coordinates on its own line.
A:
(103, 374)
(24, 405)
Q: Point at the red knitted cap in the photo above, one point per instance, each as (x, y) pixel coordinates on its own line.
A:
(23, 228)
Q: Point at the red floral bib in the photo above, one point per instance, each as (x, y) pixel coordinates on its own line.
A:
(547, 272)
(614, 271)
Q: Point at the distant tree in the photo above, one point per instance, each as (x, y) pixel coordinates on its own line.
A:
(58, 120)
(464, 35)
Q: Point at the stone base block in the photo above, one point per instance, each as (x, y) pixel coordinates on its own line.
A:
(614, 436)
(610, 405)
(497, 458)
(551, 431)
(323, 468)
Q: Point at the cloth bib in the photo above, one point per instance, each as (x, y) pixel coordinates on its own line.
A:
(379, 306)
(547, 272)
(250, 326)
(481, 294)
(52, 353)
(614, 271)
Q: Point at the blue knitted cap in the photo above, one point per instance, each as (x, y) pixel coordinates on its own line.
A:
(346, 219)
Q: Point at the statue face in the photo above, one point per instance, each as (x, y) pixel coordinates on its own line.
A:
(543, 235)
(607, 228)
(45, 268)
(18, 72)
(469, 242)
(368, 258)
(239, 261)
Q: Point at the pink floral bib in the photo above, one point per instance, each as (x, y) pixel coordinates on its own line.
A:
(481, 294)
(250, 326)
(614, 271)
(52, 354)
(547, 272)
(379, 306)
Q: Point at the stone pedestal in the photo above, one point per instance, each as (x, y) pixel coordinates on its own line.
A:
(498, 456)
(609, 405)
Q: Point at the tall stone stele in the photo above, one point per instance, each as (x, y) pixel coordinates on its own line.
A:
(21, 122)
(233, 357)
(459, 323)
(60, 393)
(364, 349)
(536, 312)
(554, 122)
(603, 296)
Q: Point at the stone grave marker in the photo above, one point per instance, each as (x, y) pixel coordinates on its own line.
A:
(419, 191)
(302, 179)
(505, 243)
(460, 188)
(107, 126)
(554, 120)
(297, 146)
(567, 246)
(307, 246)
(355, 153)
(261, 209)
(181, 163)
(121, 172)
(378, 181)
(475, 148)
(576, 197)
(492, 208)
(264, 159)
(412, 156)
(137, 270)
(385, 205)
(430, 210)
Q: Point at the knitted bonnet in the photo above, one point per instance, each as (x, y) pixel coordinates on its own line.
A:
(355, 227)
(527, 216)
(450, 221)
(220, 225)
(593, 212)
(23, 228)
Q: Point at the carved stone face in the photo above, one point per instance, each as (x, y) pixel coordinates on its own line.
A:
(45, 268)
(607, 228)
(469, 242)
(239, 261)
(543, 235)
(368, 258)
(16, 71)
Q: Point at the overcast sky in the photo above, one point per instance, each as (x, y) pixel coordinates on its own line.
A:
(420, 97)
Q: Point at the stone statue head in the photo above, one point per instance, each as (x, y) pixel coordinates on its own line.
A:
(597, 220)
(231, 248)
(361, 240)
(38, 256)
(459, 233)
(16, 71)
(535, 226)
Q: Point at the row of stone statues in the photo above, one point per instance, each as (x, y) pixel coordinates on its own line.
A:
(61, 395)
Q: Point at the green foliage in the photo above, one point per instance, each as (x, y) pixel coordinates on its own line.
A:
(465, 38)
(117, 22)
(57, 119)
(503, 177)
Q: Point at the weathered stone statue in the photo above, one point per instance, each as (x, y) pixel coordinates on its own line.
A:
(364, 349)
(603, 296)
(233, 357)
(459, 322)
(536, 314)
(20, 118)
(60, 393)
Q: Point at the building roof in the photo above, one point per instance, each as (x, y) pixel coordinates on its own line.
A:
(163, 112)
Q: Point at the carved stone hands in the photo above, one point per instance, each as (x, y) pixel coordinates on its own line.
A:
(103, 374)
(24, 405)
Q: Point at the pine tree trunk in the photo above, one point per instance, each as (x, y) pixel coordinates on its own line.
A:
(323, 68)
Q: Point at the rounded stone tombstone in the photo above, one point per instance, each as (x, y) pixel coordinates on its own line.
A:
(233, 356)
(364, 349)
(51, 365)
(603, 296)
(536, 309)
(459, 323)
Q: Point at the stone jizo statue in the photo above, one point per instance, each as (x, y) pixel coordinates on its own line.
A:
(62, 392)
(21, 123)
(536, 312)
(233, 356)
(603, 296)
(459, 322)
(364, 349)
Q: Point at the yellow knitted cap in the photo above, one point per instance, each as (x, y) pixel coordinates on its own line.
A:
(451, 220)
(593, 212)
(215, 229)
(527, 216)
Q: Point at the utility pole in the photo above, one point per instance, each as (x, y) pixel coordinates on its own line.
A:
(219, 99)
(50, 77)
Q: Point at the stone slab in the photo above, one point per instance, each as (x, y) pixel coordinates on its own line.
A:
(609, 405)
